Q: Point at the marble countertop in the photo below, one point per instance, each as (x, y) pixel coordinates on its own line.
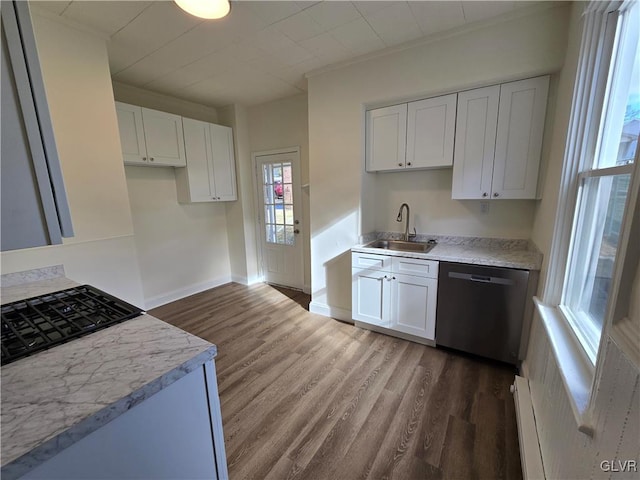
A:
(477, 251)
(55, 398)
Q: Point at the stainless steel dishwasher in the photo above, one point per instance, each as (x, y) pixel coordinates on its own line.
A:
(481, 309)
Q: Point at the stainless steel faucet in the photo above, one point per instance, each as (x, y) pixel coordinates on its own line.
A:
(406, 236)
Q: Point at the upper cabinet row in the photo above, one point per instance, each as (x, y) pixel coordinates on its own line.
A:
(411, 135)
(204, 150)
(497, 135)
(150, 137)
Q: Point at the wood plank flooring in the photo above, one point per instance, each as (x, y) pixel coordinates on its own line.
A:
(307, 397)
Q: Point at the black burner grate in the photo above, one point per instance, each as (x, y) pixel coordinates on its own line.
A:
(39, 323)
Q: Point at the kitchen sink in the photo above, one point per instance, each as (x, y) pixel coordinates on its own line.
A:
(420, 247)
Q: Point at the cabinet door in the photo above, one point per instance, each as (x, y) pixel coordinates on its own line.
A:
(370, 296)
(194, 183)
(413, 301)
(430, 132)
(386, 138)
(163, 138)
(475, 143)
(224, 165)
(34, 208)
(519, 138)
(131, 130)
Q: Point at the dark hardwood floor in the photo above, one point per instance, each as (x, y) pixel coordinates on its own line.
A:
(307, 397)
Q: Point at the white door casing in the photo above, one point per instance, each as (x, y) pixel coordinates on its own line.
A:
(280, 216)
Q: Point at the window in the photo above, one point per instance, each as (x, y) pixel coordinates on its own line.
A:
(604, 169)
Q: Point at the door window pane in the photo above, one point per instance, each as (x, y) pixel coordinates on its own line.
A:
(289, 235)
(270, 233)
(278, 202)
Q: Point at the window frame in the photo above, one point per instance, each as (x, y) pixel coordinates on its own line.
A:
(579, 369)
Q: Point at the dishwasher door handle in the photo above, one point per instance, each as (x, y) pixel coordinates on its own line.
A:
(481, 278)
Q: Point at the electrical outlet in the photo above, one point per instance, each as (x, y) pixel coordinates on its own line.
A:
(484, 207)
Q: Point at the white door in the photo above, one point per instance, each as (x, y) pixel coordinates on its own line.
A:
(278, 180)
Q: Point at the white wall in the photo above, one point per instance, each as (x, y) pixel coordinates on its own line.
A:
(428, 193)
(182, 248)
(165, 103)
(279, 124)
(78, 86)
(241, 235)
(340, 210)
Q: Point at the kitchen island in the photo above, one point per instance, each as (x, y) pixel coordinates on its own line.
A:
(137, 399)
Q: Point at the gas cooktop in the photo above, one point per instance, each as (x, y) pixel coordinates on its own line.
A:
(38, 323)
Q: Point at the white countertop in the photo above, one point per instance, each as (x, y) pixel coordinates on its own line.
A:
(54, 398)
(495, 254)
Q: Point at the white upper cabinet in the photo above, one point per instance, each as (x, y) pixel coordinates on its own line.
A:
(499, 140)
(430, 130)
(150, 137)
(411, 135)
(210, 174)
(386, 135)
(475, 142)
(519, 138)
(224, 165)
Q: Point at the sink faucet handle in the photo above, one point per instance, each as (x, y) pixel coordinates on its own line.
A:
(413, 235)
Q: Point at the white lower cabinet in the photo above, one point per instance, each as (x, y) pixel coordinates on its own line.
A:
(395, 293)
(371, 296)
(414, 305)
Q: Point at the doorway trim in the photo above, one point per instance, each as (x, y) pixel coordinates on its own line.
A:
(259, 214)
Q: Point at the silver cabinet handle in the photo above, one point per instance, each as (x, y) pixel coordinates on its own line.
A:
(400, 164)
(152, 159)
(409, 164)
(496, 194)
(144, 159)
(484, 194)
(296, 231)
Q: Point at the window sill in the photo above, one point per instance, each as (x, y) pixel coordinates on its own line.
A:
(576, 370)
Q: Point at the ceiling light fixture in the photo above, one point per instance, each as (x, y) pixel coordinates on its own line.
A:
(210, 9)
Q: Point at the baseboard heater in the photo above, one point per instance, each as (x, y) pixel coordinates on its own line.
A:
(530, 456)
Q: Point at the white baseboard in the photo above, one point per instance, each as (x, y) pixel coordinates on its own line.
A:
(239, 279)
(329, 311)
(242, 280)
(530, 456)
(165, 298)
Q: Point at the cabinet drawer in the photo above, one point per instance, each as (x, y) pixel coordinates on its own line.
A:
(415, 266)
(370, 261)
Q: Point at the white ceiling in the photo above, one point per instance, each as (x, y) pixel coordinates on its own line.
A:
(262, 49)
